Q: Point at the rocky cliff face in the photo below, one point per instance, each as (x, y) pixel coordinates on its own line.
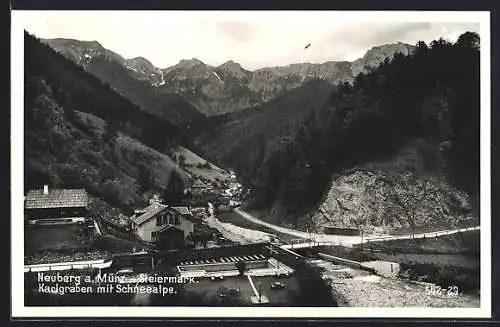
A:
(229, 87)
(391, 195)
(82, 52)
(144, 70)
(376, 55)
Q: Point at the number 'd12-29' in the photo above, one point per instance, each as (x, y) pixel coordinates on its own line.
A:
(438, 290)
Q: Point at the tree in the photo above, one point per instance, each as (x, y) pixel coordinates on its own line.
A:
(181, 160)
(468, 40)
(241, 266)
(174, 193)
(145, 179)
(110, 134)
(314, 290)
(422, 46)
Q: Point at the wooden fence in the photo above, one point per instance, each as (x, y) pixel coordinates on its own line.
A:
(422, 235)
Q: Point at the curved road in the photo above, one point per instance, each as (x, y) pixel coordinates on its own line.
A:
(317, 237)
(346, 240)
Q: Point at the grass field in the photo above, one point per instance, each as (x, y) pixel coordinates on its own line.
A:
(458, 243)
(192, 161)
(433, 227)
(456, 260)
(54, 238)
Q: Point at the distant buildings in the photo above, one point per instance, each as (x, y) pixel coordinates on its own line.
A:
(234, 189)
(56, 206)
(332, 229)
(234, 203)
(232, 174)
(199, 187)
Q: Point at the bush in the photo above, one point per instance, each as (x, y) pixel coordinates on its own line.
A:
(314, 290)
(466, 279)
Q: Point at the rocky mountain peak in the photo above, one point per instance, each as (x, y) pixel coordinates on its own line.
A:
(390, 49)
(189, 63)
(82, 52)
(234, 69)
(229, 87)
(143, 69)
(376, 55)
(140, 61)
(230, 65)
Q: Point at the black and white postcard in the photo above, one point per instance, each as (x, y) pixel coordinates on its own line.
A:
(250, 164)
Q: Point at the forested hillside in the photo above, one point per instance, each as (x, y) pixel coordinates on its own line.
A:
(241, 139)
(80, 133)
(126, 78)
(425, 103)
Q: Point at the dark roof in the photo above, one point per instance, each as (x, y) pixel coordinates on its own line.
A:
(198, 183)
(182, 210)
(151, 211)
(164, 228)
(332, 225)
(57, 198)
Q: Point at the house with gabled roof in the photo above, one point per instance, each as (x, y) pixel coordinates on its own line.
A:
(56, 206)
(162, 225)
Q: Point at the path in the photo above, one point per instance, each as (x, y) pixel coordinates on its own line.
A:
(235, 233)
(347, 240)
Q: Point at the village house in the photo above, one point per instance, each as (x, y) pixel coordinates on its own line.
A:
(232, 174)
(56, 206)
(161, 225)
(200, 187)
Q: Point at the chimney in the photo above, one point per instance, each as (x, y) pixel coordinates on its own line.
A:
(45, 189)
(156, 199)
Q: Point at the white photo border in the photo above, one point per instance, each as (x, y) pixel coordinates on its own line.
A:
(19, 310)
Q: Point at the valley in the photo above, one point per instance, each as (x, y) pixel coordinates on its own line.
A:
(202, 167)
(215, 90)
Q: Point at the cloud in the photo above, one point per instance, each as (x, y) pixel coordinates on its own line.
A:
(237, 31)
(253, 39)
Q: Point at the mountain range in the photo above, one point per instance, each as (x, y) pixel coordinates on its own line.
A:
(310, 146)
(224, 88)
(78, 132)
(119, 74)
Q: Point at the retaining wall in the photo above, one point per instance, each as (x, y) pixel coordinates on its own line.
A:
(99, 264)
(346, 262)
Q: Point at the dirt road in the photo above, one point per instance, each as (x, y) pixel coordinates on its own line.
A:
(346, 240)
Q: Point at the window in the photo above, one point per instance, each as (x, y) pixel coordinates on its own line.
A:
(158, 220)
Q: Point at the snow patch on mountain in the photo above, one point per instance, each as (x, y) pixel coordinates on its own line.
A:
(216, 75)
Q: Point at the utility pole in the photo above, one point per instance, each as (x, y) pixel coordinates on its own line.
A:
(361, 238)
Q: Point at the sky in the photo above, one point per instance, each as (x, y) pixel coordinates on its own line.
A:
(253, 39)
